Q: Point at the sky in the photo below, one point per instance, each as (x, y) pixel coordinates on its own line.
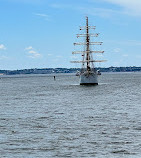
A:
(41, 33)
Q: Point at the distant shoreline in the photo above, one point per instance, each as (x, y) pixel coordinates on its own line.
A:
(67, 70)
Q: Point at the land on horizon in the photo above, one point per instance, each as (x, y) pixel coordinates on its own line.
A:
(67, 70)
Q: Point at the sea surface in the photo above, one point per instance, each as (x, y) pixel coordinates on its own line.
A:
(43, 118)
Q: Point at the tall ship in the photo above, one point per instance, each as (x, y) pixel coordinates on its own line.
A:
(88, 74)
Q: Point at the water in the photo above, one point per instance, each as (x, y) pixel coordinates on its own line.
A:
(41, 118)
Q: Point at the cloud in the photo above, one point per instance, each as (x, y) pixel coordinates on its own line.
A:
(32, 53)
(130, 7)
(45, 16)
(88, 9)
(29, 48)
(119, 7)
(2, 47)
(101, 12)
(91, 10)
(122, 7)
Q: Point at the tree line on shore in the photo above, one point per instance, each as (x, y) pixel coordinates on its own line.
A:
(67, 70)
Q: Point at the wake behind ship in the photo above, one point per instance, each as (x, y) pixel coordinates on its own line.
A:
(88, 74)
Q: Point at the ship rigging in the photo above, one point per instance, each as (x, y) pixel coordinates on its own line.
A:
(88, 74)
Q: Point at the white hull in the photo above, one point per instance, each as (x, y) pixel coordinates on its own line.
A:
(89, 79)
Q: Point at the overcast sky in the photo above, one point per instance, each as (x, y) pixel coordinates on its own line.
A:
(40, 33)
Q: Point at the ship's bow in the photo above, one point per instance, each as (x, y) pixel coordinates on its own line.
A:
(88, 79)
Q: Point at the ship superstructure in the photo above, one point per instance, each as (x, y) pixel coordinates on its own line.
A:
(88, 74)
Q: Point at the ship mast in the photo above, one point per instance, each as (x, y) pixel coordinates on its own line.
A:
(87, 44)
(87, 53)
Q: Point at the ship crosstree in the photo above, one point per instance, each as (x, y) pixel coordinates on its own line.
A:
(87, 53)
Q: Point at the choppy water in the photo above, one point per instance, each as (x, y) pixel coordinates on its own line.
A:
(41, 118)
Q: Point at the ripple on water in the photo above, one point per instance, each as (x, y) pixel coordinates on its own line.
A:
(43, 118)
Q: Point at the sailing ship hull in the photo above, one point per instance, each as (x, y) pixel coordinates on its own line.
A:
(89, 79)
